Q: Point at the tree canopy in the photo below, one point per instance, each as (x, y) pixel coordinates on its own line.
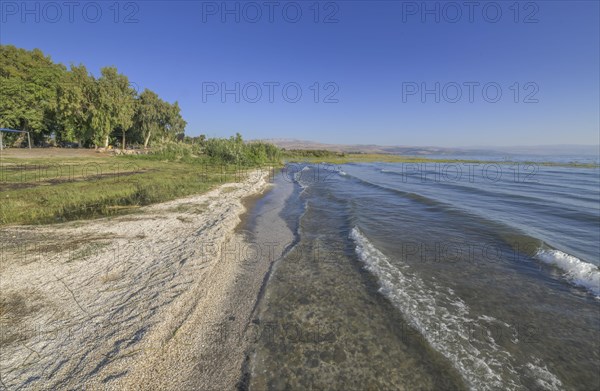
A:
(75, 106)
(46, 98)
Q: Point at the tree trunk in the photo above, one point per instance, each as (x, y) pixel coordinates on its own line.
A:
(106, 142)
(146, 140)
(123, 144)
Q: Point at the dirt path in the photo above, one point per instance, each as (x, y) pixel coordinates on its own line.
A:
(144, 301)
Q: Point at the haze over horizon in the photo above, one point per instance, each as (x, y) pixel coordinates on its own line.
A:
(440, 146)
(571, 150)
(391, 74)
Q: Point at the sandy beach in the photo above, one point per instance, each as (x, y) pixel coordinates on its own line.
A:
(307, 195)
(159, 299)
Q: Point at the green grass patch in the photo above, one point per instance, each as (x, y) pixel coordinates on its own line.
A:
(51, 190)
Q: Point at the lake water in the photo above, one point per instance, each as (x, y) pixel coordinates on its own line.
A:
(434, 276)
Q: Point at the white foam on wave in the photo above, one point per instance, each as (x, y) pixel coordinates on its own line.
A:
(544, 378)
(575, 270)
(444, 320)
(297, 177)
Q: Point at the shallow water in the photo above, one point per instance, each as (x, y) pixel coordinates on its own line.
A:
(434, 277)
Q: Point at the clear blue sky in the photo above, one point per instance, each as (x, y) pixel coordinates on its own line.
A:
(374, 52)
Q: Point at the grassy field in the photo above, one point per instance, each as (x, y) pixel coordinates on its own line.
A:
(48, 186)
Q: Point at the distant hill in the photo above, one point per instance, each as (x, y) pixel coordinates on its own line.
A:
(573, 150)
(556, 150)
(371, 148)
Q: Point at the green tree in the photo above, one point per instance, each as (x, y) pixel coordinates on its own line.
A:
(156, 119)
(28, 84)
(42, 97)
(147, 115)
(113, 106)
(171, 122)
(76, 105)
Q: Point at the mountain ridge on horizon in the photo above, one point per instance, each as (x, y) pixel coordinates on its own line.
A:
(556, 149)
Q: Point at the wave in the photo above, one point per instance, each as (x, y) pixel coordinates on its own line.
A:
(509, 196)
(444, 320)
(295, 174)
(407, 194)
(544, 378)
(576, 271)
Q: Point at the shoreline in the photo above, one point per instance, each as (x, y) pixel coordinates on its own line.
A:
(126, 302)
